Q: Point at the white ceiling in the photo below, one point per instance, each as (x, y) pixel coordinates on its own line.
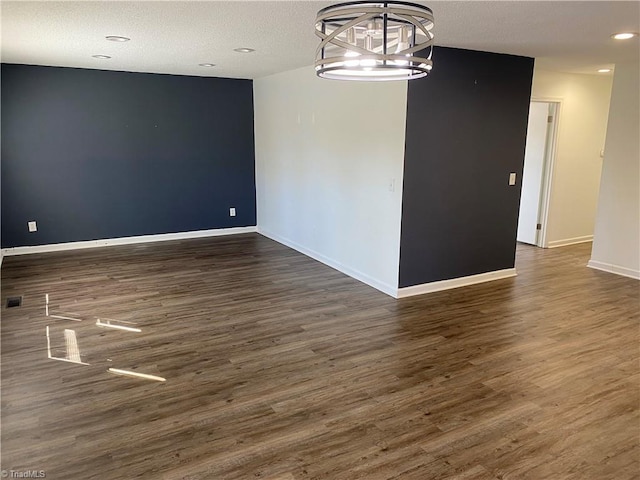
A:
(174, 37)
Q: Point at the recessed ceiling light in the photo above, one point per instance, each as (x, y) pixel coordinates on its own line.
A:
(244, 50)
(117, 38)
(624, 35)
(604, 70)
(207, 64)
(101, 57)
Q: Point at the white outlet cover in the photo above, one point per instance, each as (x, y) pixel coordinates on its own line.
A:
(512, 179)
(232, 212)
(33, 227)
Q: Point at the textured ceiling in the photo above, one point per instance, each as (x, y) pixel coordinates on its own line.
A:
(174, 37)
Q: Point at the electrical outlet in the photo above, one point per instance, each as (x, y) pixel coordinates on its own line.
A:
(32, 226)
(232, 212)
(512, 179)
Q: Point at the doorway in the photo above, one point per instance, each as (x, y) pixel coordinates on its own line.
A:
(536, 176)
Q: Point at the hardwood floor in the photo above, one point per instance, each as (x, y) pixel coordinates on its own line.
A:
(278, 367)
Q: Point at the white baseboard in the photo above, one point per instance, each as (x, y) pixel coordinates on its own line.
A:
(362, 277)
(163, 237)
(617, 269)
(570, 241)
(455, 283)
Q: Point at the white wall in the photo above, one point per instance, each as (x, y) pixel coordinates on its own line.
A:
(582, 128)
(616, 243)
(326, 153)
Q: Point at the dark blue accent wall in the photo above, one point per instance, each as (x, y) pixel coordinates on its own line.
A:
(91, 154)
(466, 131)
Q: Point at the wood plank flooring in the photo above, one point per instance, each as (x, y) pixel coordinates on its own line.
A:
(278, 367)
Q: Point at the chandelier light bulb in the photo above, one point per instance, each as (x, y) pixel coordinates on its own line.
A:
(624, 35)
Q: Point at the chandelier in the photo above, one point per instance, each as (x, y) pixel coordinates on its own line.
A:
(374, 41)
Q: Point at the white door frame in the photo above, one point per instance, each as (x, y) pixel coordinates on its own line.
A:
(549, 168)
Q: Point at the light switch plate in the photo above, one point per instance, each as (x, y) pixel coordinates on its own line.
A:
(512, 179)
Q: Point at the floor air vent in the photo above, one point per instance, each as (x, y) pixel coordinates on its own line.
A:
(14, 302)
